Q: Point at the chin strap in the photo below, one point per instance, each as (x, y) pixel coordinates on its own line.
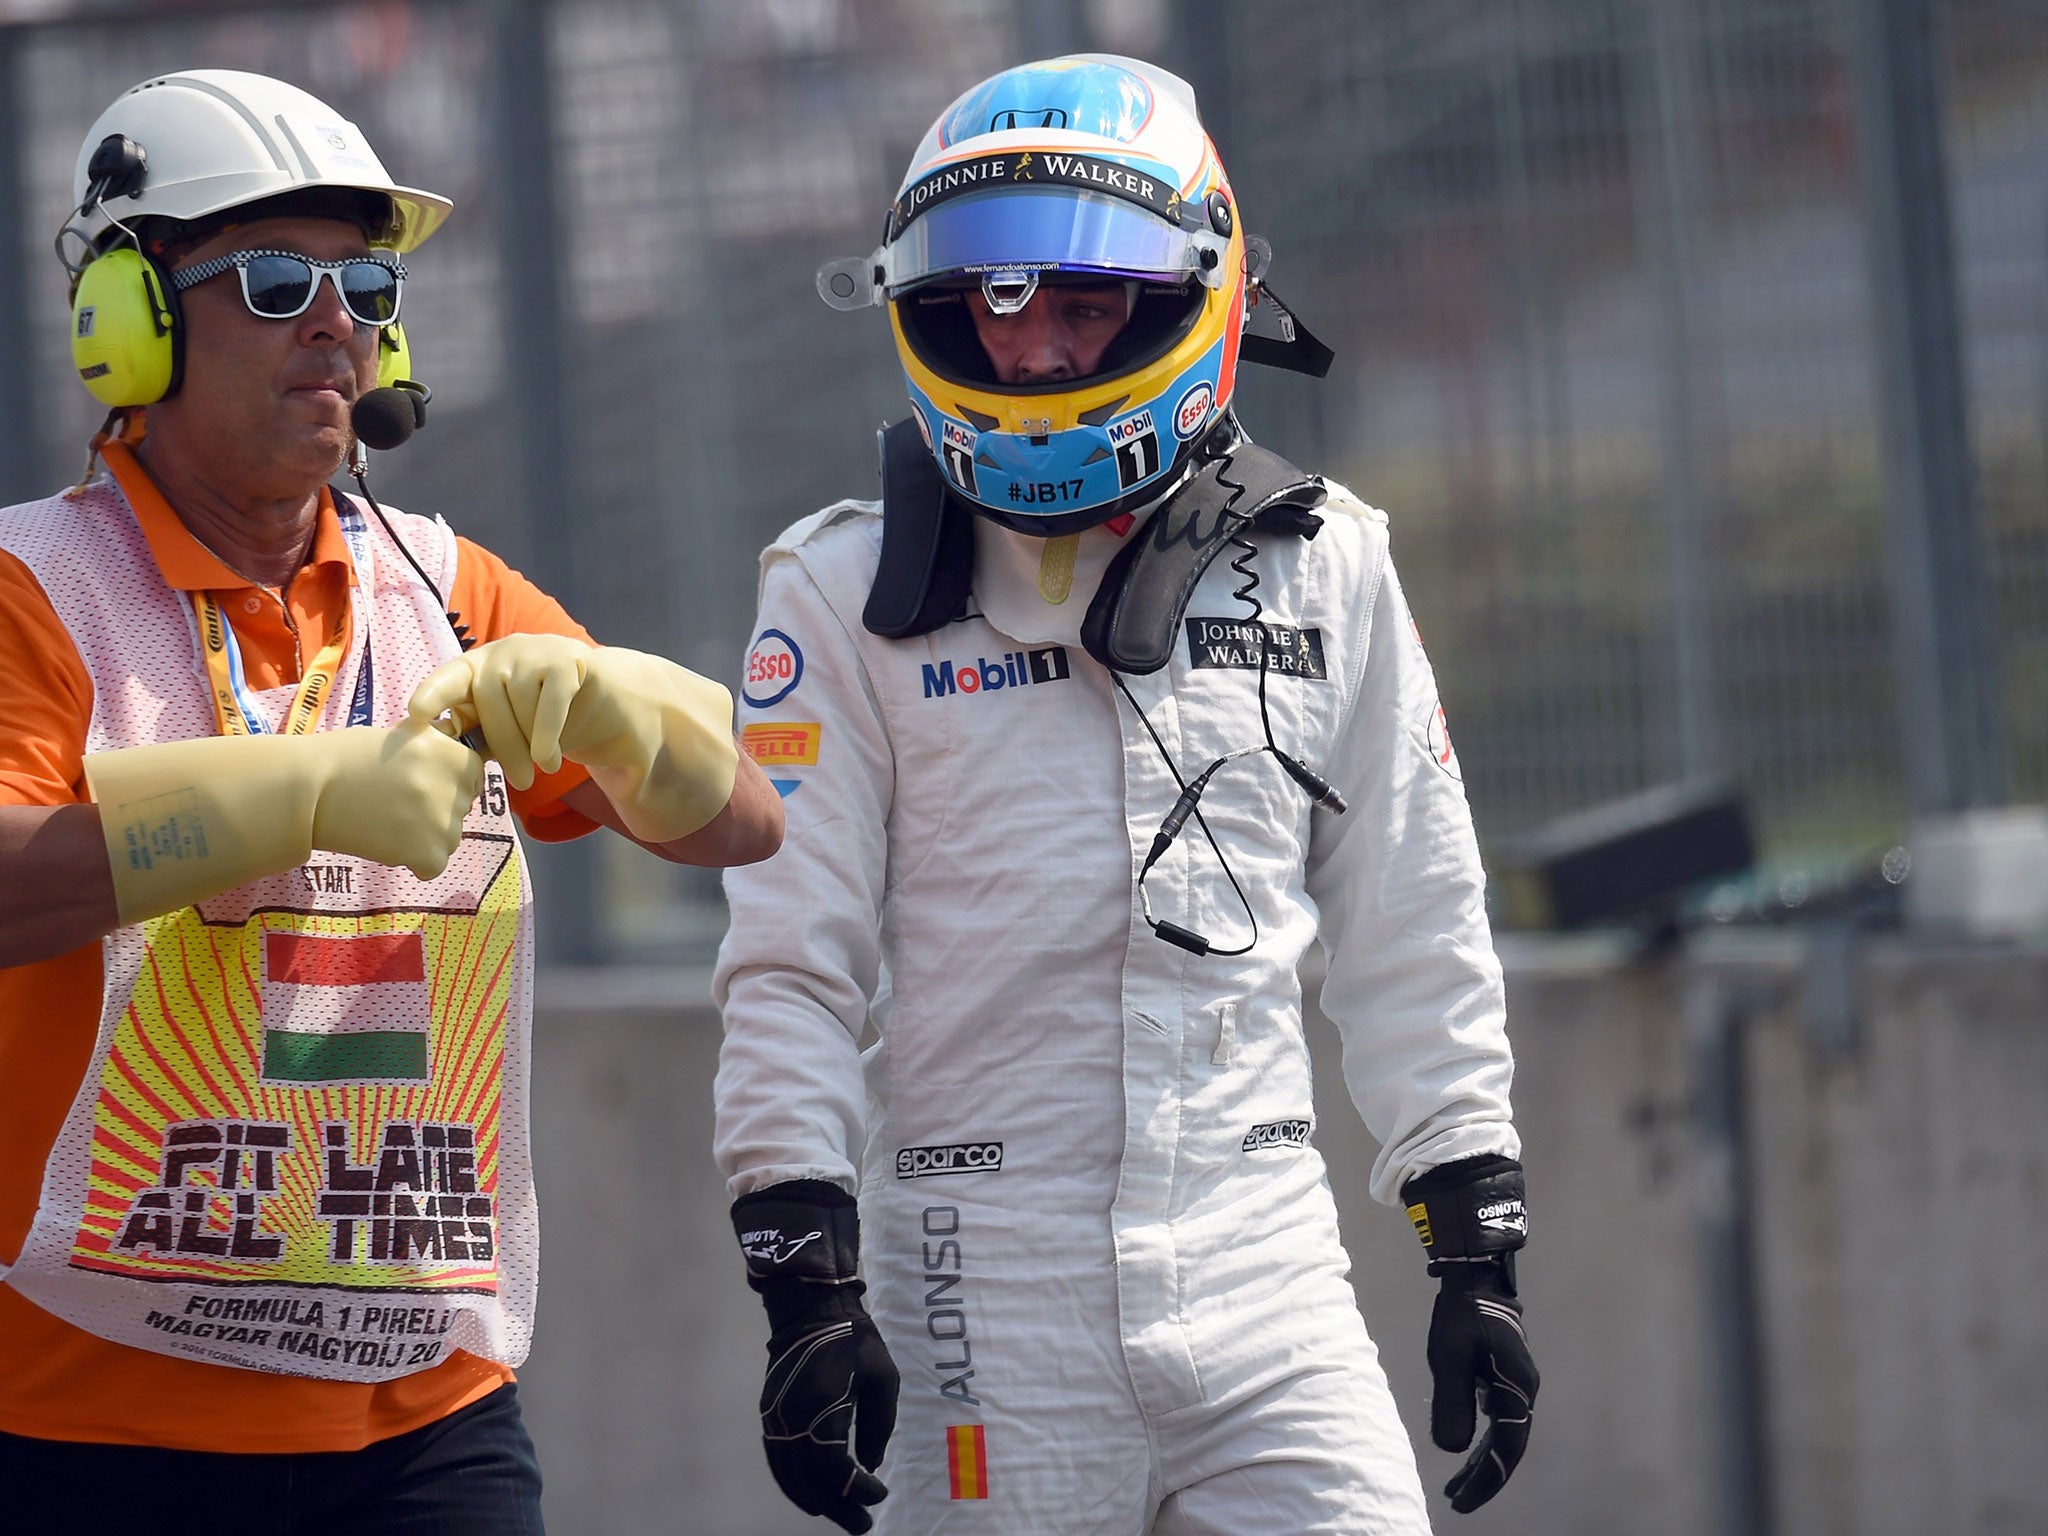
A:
(1295, 349)
(1134, 620)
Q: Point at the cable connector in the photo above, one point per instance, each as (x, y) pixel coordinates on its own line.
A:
(1185, 938)
(1319, 788)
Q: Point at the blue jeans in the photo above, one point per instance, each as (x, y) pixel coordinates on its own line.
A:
(473, 1473)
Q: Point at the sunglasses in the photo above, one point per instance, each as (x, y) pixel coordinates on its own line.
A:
(279, 285)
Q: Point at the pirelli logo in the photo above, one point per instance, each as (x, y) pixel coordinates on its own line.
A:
(785, 744)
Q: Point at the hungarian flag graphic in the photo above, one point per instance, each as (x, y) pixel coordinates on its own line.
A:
(967, 1461)
(348, 1009)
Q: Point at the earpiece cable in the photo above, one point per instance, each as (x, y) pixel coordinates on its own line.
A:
(1184, 807)
(463, 637)
(1188, 804)
(1241, 564)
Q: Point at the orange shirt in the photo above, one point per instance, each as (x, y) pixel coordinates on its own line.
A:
(59, 1382)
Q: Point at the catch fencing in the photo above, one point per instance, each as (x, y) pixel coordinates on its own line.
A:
(1626, 343)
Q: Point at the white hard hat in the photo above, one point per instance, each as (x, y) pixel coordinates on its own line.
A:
(215, 139)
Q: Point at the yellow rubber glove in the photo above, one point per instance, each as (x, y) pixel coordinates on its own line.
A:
(189, 819)
(656, 737)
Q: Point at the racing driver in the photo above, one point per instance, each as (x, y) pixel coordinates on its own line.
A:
(1086, 731)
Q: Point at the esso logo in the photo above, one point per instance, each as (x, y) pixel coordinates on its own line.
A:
(774, 667)
(1193, 410)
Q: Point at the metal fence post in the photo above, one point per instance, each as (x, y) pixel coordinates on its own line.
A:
(20, 440)
(701, 460)
(700, 469)
(1943, 603)
(1047, 28)
(1716, 1010)
(1667, 117)
(535, 311)
(1205, 47)
(1205, 37)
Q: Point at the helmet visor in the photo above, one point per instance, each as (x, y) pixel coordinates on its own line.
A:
(1060, 229)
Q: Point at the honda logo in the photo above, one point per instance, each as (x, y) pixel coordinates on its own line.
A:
(1034, 117)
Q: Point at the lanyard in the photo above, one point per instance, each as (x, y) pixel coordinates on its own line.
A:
(356, 530)
(236, 709)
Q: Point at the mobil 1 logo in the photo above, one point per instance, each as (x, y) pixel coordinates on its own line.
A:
(956, 452)
(1136, 443)
(1013, 669)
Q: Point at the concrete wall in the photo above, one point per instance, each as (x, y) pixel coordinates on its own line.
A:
(1904, 1217)
(1897, 1186)
(648, 1350)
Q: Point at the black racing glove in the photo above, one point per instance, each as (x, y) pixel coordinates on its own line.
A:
(830, 1378)
(1472, 1216)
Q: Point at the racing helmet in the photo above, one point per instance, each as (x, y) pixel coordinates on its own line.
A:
(1087, 168)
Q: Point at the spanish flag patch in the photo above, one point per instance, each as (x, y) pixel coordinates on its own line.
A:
(967, 1461)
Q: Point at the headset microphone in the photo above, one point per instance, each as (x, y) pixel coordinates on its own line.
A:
(385, 417)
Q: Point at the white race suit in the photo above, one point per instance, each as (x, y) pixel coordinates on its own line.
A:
(1098, 1238)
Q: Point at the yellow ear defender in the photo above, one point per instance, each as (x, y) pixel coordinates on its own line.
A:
(126, 340)
(389, 414)
(394, 356)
